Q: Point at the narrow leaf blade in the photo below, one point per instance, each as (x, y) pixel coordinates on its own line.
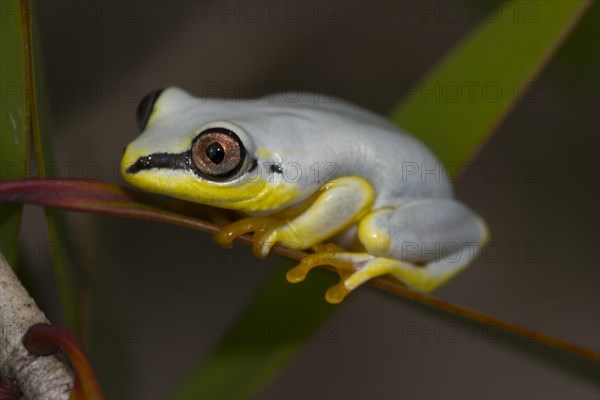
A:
(243, 362)
(41, 136)
(14, 120)
(465, 97)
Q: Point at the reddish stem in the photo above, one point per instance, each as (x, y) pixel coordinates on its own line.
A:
(44, 339)
(9, 389)
(108, 199)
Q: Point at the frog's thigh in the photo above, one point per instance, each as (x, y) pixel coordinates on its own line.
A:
(442, 235)
(337, 205)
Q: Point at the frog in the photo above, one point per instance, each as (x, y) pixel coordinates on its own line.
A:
(309, 172)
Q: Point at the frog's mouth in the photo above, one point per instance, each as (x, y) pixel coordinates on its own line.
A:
(171, 161)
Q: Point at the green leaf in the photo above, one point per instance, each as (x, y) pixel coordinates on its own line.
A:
(14, 120)
(466, 96)
(42, 135)
(24, 119)
(270, 332)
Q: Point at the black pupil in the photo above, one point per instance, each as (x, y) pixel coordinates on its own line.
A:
(215, 152)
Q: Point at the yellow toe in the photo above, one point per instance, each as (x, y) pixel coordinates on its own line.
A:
(337, 293)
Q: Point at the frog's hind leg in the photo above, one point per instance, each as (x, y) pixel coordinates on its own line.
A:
(423, 243)
(430, 239)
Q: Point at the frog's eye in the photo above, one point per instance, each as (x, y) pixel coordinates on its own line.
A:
(218, 153)
(145, 108)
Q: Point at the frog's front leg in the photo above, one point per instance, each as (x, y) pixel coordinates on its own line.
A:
(423, 243)
(335, 206)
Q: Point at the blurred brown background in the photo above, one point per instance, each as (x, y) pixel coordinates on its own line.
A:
(163, 285)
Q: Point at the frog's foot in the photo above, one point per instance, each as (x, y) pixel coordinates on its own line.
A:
(348, 265)
(358, 268)
(267, 232)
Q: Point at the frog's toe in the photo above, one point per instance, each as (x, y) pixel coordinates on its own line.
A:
(374, 268)
(316, 259)
(337, 293)
(257, 225)
(265, 239)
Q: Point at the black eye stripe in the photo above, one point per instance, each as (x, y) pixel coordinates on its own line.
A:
(161, 160)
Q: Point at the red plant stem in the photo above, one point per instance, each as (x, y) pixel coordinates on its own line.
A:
(108, 199)
(9, 389)
(44, 339)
